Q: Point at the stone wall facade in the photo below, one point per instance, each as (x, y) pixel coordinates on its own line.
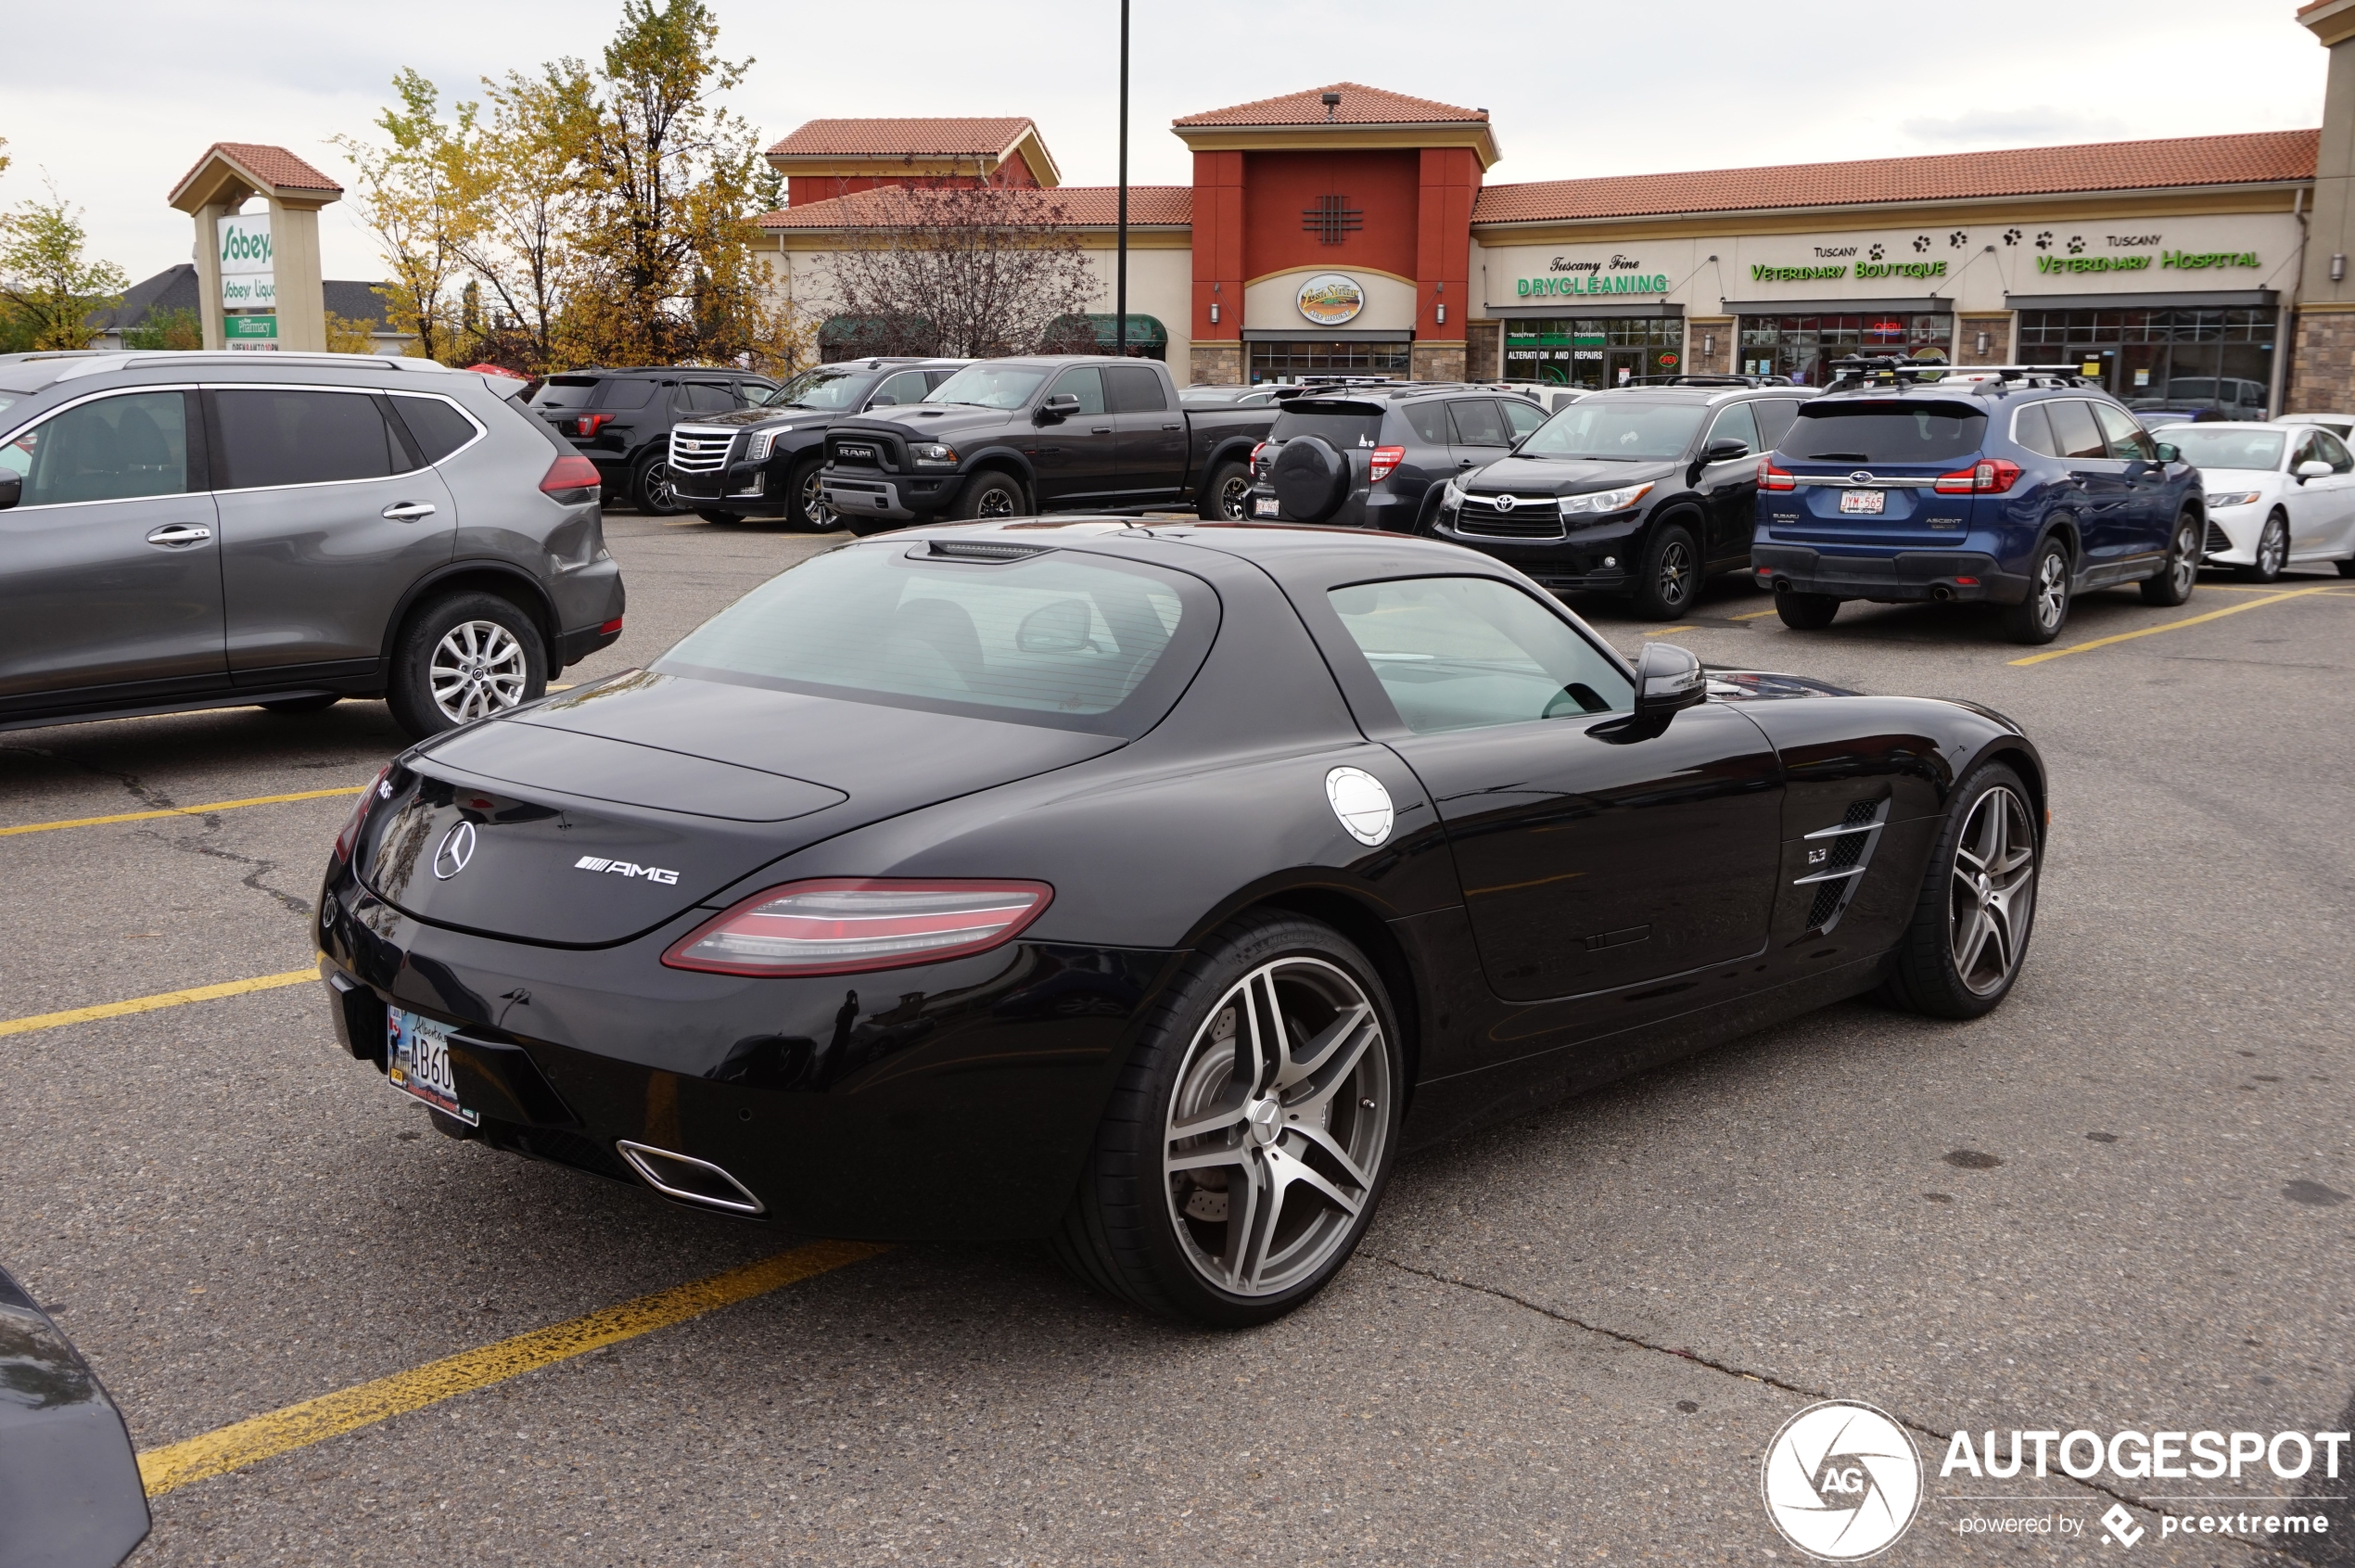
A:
(1998, 331)
(2322, 365)
(1708, 345)
(1483, 350)
(1438, 361)
(1217, 364)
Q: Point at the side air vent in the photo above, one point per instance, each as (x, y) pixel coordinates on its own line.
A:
(1849, 851)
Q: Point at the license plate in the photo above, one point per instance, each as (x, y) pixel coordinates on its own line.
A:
(1266, 506)
(418, 1062)
(1872, 502)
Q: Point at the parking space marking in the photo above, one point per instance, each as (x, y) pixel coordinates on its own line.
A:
(181, 810)
(1665, 630)
(331, 1415)
(1754, 614)
(2172, 625)
(149, 1003)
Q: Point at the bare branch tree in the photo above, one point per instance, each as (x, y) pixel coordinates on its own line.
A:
(963, 271)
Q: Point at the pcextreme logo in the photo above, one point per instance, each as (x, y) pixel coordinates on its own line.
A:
(1842, 1481)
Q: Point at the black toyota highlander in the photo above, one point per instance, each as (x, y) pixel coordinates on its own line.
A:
(1643, 493)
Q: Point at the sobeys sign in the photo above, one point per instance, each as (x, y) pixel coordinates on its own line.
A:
(248, 267)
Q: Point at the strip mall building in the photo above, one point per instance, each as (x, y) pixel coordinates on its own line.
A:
(1349, 229)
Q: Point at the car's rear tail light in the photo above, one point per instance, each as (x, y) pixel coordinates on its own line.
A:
(589, 424)
(1772, 478)
(613, 625)
(348, 837)
(571, 471)
(1255, 451)
(1384, 459)
(1967, 582)
(1989, 475)
(844, 926)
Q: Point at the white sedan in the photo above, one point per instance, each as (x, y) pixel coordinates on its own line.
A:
(2277, 495)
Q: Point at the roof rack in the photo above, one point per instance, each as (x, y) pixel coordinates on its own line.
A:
(1885, 370)
(1720, 379)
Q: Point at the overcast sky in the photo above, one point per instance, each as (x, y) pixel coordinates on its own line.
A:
(115, 114)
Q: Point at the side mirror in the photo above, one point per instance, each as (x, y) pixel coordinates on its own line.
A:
(1668, 680)
(11, 487)
(1724, 451)
(1057, 408)
(2166, 453)
(2314, 469)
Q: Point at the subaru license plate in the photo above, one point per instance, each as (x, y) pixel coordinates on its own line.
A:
(417, 1062)
(1266, 506)
(1871, 501)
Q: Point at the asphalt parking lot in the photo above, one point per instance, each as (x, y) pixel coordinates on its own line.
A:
(2123, 1201)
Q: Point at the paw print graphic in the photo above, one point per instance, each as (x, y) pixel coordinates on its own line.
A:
(1921, 243)
(2076, 244)
(1876, 253)
(1959, 238)
(2011, 236)
(2044, 240)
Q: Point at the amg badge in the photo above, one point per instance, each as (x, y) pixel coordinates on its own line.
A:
(627, 868)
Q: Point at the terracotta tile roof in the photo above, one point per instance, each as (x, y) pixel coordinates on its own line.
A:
(1359, 105)
(280, 168)
(2252, 158)
(903, 138)
(1080, 205)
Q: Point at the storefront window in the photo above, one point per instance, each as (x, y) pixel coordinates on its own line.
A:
(1592, 353)
(1803, 347)
(2221, 359)
(1289, 361)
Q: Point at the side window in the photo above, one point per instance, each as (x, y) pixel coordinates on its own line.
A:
(935, 378)
(704, 396)
(1429, 421)
(1736, 424)
(2331, 450)
(1478, 423)
(1774, 416)
(436, 428)
(1522, 418)
(1462, 653)
(2074, 430)
(283, 437)
(1087, 384)
(1135, 390)
(906, 387)
(2127, 437)
(2032, 430)
(110, 450)
(752, 394)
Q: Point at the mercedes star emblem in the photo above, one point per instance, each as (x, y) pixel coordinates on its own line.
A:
(457, 848)
(1507, 502)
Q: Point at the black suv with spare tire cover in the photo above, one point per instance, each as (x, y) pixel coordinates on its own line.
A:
(1374, 456)
(620, 420)
(1643, 493)
(763, 461)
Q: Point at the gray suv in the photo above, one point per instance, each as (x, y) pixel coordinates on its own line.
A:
(186, 531)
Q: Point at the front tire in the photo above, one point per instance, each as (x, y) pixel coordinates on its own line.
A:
(805, 497)
(2272, 553)
(650, 488)
(1806, 612)
(1223, 499)
(1242, 1153)
(1962, 949)
(2176, 580)
(2039, 617)
(463, 657)
(1671, 574)
(991, 498)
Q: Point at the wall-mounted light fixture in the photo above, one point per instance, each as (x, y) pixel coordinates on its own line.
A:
(1442, 315)
(1983, 342)
(1213, 312)
(1708, 344)
(2338, 266)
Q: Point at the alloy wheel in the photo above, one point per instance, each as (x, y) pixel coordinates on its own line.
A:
(1676, 566)
(660, 494)
(479, 669)
(1276, 1127)
(813, 501)
(2272, 548)
(1992, 895)
(2184, 569)
(1231, 495)
(995, 504)
(2052, 589)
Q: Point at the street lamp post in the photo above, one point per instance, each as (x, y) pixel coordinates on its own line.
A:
(1120, 266)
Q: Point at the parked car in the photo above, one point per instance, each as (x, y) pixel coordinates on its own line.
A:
(1052, 433)
(909, 898)
(1643, 493)
(1374, 456)
(2339, 425)
(2153, 416)
(1545, 394)
(2008, 485)
(70, 1489)
(2231, 397)
(620, 420)
(763, 461)
(183, 530)
(2277, 495)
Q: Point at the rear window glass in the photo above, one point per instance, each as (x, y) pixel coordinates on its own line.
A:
(438, 428)
(1058, 638)
(1341, 424)
(1886, 432)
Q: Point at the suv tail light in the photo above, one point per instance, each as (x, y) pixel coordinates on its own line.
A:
(843, 925)
(1772, 478)
(1255, 452)
(571, 471)
(1384, 459)
(589, 424)
(348, 837)
(1989, 475)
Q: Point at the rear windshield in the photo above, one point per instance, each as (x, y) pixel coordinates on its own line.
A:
(592, 391)
(1607, 429)
(2221, 446)
(1341, 424)
(1059, 639)
(1885, 432)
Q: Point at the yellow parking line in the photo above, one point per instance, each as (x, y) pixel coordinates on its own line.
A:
(1665, 630)
(149, 1003)
(182, 810)
(2170, 626)
(331, 1415)
(1753, 615)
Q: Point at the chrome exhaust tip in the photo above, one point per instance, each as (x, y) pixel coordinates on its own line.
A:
(1941, 594)
(689, 1179)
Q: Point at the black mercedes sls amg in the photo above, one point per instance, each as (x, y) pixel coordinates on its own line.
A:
(1146, 888)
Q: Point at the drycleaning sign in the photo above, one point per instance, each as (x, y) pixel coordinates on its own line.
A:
(248, 281)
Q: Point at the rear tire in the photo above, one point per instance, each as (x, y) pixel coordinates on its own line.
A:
(1671, 574)
(1962, 948)
(2272, 553)
(2176, 580)
(2039, 617)
(1223, 498)
(1806, 612)
(1154, 1220)
(463, 657)
(318, 704)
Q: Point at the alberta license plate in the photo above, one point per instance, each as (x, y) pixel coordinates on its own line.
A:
(417, 1062)
(1868, 501)
(1266, 506)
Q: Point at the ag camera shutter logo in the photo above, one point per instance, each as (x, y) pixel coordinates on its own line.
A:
(1842, 1481)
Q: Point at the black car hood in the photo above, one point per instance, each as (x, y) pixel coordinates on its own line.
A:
(1565, 475)
(740, 418)
(605, 812)
(939, 421)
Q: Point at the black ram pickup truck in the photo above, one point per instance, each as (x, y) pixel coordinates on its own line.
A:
(1014, 437)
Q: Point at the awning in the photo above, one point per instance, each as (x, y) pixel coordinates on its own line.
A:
(1144, 332)
(2214, 299)
(1926, 305)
